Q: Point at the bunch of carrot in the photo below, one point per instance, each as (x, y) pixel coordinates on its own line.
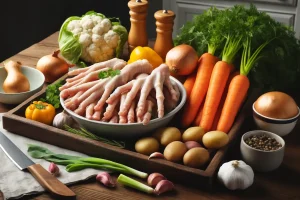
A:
(216, 92)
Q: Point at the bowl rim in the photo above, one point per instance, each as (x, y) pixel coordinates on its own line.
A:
(20, 93)
(275, 119)
(175, 110)
(256, 132)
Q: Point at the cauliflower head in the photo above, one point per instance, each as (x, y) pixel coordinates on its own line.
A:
(91, 38)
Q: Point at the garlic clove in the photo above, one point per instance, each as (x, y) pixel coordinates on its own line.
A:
(154, 178)
(53, 169)
(61, 119)
(156, 155)
(105, 179)
(192, 144)
(163, 186)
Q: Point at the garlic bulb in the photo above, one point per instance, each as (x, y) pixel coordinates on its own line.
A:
(61, 119)
(236, 175)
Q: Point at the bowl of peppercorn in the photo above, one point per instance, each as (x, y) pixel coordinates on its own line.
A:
(262, 150)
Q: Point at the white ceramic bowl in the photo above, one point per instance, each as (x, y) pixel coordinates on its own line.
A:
(259, 160)
(132, 130)
(36, 80)
(281, 127)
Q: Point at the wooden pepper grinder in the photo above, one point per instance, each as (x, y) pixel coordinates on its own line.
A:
(164, 29)
(137, 35)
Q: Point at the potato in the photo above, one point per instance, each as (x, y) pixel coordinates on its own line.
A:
(196, 157)
(175, 151)
(193, 134)
(215, 139)
(167, 135)
(147, 145)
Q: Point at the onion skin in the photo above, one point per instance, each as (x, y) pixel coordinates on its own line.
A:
(182, 60)
(276, 105)
(52, 67)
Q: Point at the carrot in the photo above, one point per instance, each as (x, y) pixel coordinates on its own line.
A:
(196, 122)
(205, 68)
(217, 84)
(222, 101)
(189, 83)
(238, 87)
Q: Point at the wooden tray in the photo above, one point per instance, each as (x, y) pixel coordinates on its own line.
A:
(14, 121)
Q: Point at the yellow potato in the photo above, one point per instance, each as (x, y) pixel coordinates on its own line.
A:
(175, 151)
(196, 157)
(193, 134)
(167, 135)
(215, 139)
(147, 145)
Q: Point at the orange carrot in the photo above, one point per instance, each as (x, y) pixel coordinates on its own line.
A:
(196, 122)
(205, 68)
(220, 107)
(236, 94)
(189, 83)
(216, 88)
(239, 86)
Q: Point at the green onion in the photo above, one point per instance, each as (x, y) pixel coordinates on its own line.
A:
(127, 181)
(75, 163)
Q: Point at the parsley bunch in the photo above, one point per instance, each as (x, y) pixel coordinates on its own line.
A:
(108, 73)
(52, 94)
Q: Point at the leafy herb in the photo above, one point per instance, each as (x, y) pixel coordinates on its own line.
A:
(75, 163)
(108, 73)
(85, 133)
(278, 65)
(52, 94)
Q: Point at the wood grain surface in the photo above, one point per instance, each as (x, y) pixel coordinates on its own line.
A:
(282, 183)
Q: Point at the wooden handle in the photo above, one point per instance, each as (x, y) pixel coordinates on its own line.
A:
(50, 182)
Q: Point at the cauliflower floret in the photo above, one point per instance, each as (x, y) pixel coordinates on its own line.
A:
(105, 25)
(96, 19)
(85, 39)
(85, 55)
(77, 31)
(95, 52)
(107, 50)
(98, 40)
(87, 22)
(72, 25)
(112, 39)
(98, 29)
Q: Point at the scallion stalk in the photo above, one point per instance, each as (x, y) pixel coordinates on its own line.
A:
(127, 181)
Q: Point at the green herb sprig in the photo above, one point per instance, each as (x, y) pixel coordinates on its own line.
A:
(85, 133)
(108, 73)
(52, 94)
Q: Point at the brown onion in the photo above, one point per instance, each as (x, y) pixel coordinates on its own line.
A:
(182, 60)
(52, 66)
(276, 105)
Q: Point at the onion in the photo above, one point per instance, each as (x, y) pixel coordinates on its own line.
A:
(52, 66)
(182, 60)
(276, 105)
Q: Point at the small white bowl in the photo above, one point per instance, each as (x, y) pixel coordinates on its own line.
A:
(280, 127)
(36, 80)
(132, 130)
(259, 160)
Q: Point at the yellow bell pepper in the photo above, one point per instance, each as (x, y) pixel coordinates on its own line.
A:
(139, 53)
(41, 112)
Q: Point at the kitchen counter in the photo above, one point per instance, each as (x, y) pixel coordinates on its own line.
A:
(282, 183)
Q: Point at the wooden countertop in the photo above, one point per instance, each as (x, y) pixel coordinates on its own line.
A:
(283, 183)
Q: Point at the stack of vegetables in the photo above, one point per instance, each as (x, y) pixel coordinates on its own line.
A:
(235, 43)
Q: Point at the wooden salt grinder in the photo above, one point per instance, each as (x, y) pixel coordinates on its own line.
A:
(164, 29)
(137, 35)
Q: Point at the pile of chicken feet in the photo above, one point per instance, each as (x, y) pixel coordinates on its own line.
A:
(135, 95)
